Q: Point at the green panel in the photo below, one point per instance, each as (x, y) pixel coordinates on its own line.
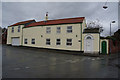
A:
(104, 47)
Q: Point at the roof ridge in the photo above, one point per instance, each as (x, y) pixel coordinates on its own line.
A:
(58, 21)
(63, 19)
(22, 22)
(26, 20)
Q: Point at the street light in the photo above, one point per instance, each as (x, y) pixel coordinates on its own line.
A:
(110, 26)
(110, 35)
(105, 6)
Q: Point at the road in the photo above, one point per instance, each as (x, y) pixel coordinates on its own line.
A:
(22, 62)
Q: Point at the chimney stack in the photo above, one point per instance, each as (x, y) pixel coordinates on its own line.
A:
(46, 17)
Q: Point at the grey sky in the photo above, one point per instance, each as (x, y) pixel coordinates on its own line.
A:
(13, 12)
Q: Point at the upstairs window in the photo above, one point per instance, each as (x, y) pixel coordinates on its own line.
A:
(48, 30)
(47, 41)
(33, 41)
(25, 41)
(12, 30)
(69, 29)
(69, 42)
(58, 42)
(58, 30)
(19, 28)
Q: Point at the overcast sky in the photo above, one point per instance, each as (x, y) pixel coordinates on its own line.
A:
(13, 12)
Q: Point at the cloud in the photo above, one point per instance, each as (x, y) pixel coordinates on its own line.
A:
(59, 0)
(18, 11)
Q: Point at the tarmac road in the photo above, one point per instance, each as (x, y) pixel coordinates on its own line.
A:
(21, 62)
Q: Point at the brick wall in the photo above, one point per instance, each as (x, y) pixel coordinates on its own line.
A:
(115, 46)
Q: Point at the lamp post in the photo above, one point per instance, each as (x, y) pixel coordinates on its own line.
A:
(110, 35)
(105, 6)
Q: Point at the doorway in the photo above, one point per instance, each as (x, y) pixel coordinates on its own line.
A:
(88, 44)
(104, 47)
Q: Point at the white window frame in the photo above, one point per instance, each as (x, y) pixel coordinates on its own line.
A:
(48, 30)
(69, 42)
(58, 30)
(19, 28)
(69, 29)
(48, 41)
(58, 41)
(33, 41)
(12, 30)
(25, 41)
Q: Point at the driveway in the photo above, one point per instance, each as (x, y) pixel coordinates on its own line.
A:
(22, 62)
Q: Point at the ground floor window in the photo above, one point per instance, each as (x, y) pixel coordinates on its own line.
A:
(47, 41)
(58, 42)
(33, 41)
(69, 42)
(25, 41)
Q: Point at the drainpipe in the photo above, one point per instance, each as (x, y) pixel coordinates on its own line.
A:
(22, 37)
(81, 36)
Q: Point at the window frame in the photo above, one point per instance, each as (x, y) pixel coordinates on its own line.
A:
(48, 30)
(89, 38)
(25, 41)
(12, 30)
(69, 42)
(58, 41)
(33, 41)
(48, 41)
(18, 28)
(58, 30)
(69, 29)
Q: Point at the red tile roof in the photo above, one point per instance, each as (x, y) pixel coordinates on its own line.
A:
(23, 22)
(58, 21)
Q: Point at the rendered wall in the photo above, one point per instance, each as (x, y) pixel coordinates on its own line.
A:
(96, 38)
(10, 35)
(37, 31)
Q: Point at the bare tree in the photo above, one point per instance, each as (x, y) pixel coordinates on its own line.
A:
(95, 24)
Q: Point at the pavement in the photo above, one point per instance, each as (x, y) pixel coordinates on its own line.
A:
(22, 62)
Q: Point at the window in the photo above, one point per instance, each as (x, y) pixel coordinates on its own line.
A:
(88, 37)
(33, 41)
(47, 41)
(48, 29)
(25, 41)
(69, 29)
(12, 29)
(58, 29)
(19, 28)
(57, 41)
(69, 42)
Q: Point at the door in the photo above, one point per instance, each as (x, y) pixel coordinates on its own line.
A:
(15, 41)
(104, 47)
(88, 44)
